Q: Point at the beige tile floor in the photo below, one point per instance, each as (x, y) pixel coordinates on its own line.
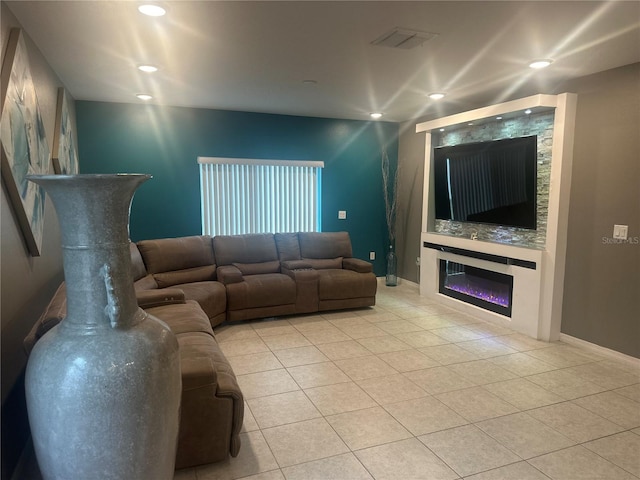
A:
(410, 389)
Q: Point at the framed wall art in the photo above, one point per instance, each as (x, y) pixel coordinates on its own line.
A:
(23, 142)
(65, 155)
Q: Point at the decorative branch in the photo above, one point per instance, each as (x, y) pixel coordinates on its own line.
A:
(390, 193)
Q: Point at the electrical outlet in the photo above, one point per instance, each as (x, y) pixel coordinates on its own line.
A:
(620, 232)
(342, 214)
(372, 255)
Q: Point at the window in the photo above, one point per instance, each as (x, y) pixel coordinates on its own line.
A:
(259, 196)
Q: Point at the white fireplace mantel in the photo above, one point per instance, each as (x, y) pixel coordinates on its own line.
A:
(537, 293)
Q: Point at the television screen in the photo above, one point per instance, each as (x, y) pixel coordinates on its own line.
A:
(487, 182)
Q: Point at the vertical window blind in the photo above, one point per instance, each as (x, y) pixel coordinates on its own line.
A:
(259, 196)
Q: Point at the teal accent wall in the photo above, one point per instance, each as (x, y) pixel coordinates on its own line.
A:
(166, 141)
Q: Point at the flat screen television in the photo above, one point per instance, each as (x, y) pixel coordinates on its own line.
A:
(491, 182)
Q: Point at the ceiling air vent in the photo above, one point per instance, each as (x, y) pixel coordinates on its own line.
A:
(403, 38)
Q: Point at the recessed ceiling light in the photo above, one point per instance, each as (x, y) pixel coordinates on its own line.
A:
(148, 68)
(152, 10)
(375, 115)
(442, 129)
(527, 111)
(470, 123)
(436, 96)
(144, 96)
(498, 118)
(542, 63)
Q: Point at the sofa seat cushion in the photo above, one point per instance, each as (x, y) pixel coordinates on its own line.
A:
(212, 296)
(183, 317)
(335, 284)
(261, 291)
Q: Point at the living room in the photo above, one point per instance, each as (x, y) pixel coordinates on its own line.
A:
(599, 303)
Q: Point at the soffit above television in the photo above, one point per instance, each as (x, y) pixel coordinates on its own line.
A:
(536, 103)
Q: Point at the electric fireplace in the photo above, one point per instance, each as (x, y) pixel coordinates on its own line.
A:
(477, 286)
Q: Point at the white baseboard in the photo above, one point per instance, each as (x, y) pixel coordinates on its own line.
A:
(401, 281)
(605, 352)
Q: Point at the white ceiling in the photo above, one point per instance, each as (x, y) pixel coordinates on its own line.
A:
(254, 56)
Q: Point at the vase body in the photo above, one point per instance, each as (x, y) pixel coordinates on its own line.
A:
(391, 279)
(103, 387)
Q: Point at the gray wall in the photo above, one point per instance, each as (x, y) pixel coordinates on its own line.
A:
(27, 282)
(601, 303)
(409, 215)
(602, 279)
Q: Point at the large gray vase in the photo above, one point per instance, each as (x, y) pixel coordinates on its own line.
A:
(103, 387)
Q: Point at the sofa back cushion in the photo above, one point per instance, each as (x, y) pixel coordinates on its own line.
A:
(288, 246)
(258, 268)
(172, 254)
(52, 316)
(245, 249)
(138, 269)
(325, 245)
(173, 261)
(188, 275)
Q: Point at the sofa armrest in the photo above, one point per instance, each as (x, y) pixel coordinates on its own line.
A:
(301, 274)
(228, 387)
(295, 265)
(229, 274)
(197, 372)
(357, 265)
(306, 288)
(159, 297)
(200, 372)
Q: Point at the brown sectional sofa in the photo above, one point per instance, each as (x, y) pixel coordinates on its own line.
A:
(195, 283)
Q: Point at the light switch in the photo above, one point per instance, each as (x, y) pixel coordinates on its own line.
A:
(372, 255)
(342, 214)
(620, 231)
